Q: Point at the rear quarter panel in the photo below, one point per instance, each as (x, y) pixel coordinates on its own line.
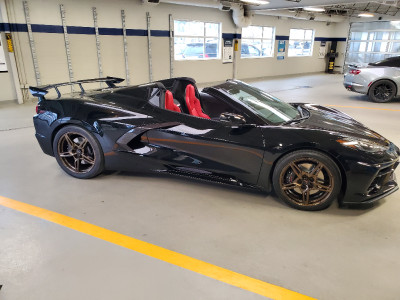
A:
(105, 121)
(374, 74)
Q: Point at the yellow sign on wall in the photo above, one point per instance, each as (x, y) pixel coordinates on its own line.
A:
(236, 45)
(9, 42)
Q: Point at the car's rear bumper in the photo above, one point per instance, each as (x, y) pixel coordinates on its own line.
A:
(355, 87)
(44, 144)
(43, 134)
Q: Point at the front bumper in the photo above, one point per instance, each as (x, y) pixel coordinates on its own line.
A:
(373, 182)
(388, 189)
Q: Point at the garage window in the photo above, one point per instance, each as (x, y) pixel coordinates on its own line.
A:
(258, 41)
(301, 42)
(371, 46)
(196, 40)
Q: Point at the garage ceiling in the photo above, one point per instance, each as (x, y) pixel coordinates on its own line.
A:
(333, 10)
(352, 10)
(335, 7)
(283, 4)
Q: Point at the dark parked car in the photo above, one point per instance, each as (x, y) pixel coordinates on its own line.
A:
(231, 133)
(196, 50)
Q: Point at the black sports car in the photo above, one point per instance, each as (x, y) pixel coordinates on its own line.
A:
(231, 133)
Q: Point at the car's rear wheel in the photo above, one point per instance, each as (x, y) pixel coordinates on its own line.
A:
(78, 152)
(307, 180)
(382, 91)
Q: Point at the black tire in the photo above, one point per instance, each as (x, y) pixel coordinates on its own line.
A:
(78, 152)
(382, 91)
(307, 180)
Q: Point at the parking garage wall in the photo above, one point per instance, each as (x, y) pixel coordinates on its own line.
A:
(51, 54)
(271, 66)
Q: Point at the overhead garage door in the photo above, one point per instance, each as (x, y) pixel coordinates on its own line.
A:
(373, 41)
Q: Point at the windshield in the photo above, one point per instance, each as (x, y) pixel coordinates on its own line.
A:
(268, 107)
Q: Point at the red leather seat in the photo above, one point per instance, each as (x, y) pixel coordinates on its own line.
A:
(193, 104)
(169, 102)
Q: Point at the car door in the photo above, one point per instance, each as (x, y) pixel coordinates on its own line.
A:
(204, 147)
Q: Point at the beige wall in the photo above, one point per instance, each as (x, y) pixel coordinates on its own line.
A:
(52, 58)
(6, 87)
(260, 67)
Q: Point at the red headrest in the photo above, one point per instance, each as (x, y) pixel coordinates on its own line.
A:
(190, 92)
(169, 102)
(193, 103)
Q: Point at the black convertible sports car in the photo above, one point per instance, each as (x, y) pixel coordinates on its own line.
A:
(231, 133)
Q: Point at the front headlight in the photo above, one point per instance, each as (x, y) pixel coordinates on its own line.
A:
(364, 145)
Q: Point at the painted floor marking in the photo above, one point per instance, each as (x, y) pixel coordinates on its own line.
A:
(363, 107)
(181, 260)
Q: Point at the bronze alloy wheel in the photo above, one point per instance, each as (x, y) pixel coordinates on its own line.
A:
(306, 181)
(75, 152)
(78, 152)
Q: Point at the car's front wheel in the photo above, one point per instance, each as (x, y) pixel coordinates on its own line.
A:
(78, 152)
(307, 180)
(382, 91)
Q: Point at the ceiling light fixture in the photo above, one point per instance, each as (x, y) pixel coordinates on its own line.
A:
(366, 15)
(255, 2)
(316, 9)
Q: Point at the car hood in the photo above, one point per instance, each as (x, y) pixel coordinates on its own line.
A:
(338, 123)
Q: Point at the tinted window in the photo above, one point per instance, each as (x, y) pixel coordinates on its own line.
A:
(389, 62)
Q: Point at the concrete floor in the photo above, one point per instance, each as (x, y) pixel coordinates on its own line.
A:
(332, 254)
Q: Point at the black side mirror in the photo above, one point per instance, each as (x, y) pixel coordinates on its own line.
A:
(232, 118)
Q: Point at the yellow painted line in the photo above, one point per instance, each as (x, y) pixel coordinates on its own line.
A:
(363, 107)
(186, 262)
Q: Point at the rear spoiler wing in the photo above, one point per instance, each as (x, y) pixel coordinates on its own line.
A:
(353, 66)
(41, 91)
